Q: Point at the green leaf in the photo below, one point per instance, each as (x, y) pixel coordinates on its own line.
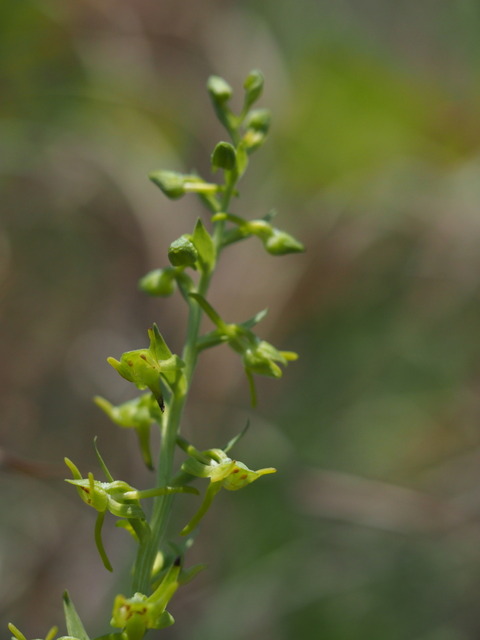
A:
(235, 439)
(158, 346)
(101, 462)
(211, 492)
(210, 311)
(258, 317)
(187, 575)
(242, 158)
(74, 625)
(205, 246)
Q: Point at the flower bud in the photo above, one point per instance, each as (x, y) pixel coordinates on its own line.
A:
(259, 120)
(159, 282)
(182, 253)
(220, 91)
(281, 243)
(261, 363)
(224, 157)
(260, 228)
(170, 182)
(253, 86)
(144, 367)
(257, 124)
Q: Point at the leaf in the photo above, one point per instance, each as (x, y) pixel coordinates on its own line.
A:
(204, 245)
(158, 346)
(234, 440)
(74, 625)
(213, 489)
(258, 317)
(101, 462)
(242, 159)
(210, 311)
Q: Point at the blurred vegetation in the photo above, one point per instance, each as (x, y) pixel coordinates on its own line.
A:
(370, 530)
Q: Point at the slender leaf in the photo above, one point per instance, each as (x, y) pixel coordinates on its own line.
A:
(74, 625)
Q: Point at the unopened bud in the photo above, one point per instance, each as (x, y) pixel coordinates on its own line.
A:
(280, 243)
(219, 90)
(253, 86)
(259, 120)
(160, 282)
(170, 182)
(224, 156)
(182, 253)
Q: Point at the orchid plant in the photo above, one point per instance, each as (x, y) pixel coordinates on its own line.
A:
(164, 379)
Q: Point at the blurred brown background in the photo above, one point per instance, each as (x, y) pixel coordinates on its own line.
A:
(370, 529)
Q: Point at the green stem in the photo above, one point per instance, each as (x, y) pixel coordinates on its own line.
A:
(171, 425)
(162, 505)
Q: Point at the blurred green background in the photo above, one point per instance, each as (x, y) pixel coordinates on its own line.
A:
(370, 530)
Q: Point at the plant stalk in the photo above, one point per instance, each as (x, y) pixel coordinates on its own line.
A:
(171, 424)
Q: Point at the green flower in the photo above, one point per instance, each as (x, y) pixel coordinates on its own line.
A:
(137, 614)
(222, 471)
(139, 414)
(115, 496)
(120, 499)
(275, 241)
(150, 368)
(258, 356)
